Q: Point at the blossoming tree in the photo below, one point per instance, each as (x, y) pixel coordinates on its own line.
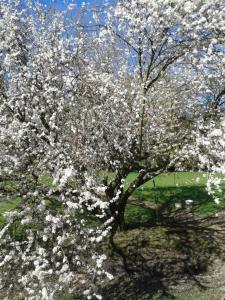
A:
(115, 93)
(46, 245)
(145, 55)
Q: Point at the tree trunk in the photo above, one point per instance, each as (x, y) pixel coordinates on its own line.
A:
(141, 126)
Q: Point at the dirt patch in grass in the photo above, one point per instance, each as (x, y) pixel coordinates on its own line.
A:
(183, 259)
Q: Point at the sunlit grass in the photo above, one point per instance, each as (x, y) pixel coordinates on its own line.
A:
(166, 189)
(172, 189)
(8, 205)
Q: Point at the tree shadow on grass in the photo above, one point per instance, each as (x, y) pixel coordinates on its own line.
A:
(165, 200)
(180, 250)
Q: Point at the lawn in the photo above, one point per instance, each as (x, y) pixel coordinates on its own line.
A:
(172, 189)
(166, 189)
(8, 205)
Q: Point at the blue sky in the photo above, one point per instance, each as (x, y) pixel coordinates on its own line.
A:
(60, 3)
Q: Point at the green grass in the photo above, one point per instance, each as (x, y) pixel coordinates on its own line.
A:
(10, 187)
(8, 205)
(170, 189)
